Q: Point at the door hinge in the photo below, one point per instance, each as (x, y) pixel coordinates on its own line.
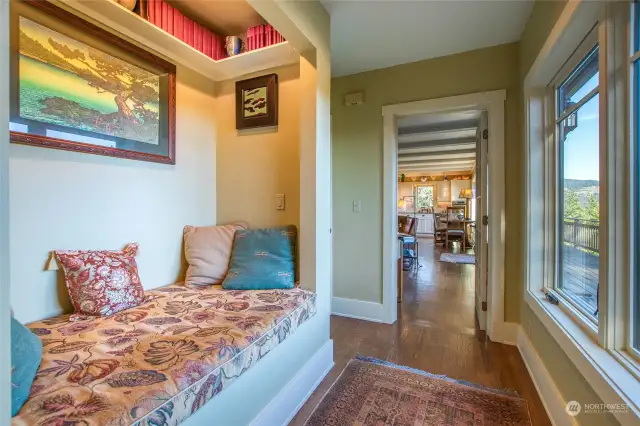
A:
(484, 306)
(485, 134)
(485, 220)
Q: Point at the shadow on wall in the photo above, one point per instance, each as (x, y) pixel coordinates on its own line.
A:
(253, 165)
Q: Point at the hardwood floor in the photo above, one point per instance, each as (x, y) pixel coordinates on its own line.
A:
(435, 332)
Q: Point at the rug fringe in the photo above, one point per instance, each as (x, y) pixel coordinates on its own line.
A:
(504, 392)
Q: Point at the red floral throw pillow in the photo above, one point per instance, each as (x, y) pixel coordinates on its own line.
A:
(101, 283)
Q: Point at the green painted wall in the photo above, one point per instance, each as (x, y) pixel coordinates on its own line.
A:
(542, 19)
(357, 175)
(570, 382)
(357, 159)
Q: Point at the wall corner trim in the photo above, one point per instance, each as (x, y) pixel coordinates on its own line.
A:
(505, 333)
(552, 400)
(284, 406)
(360, 309)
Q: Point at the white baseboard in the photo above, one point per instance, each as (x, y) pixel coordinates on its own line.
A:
(551, 398)
(358, 309)
(292, 397)
(504, 332)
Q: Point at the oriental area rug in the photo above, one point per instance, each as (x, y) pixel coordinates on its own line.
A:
(372, 392)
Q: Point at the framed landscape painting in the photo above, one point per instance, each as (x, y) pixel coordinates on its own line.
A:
(77, 87)
(257, 102)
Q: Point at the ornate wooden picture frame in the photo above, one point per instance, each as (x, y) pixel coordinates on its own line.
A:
(77, 87)
(257, 102)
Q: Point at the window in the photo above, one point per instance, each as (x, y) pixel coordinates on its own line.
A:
(582, 126)
(424, 197)
(635, 148)
(578, 185)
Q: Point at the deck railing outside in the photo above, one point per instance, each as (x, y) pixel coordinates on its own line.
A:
(580, 274)
(582, 233)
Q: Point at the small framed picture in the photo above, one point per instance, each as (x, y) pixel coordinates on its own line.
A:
(257, 102)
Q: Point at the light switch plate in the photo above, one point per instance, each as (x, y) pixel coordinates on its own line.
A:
(357, 206)
(279, 201)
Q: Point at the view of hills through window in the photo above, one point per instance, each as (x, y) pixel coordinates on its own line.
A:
(579, 174)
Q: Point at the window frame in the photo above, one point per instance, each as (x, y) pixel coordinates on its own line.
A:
(555, 167)
(602, 355)
(633, 55)
(433, 191)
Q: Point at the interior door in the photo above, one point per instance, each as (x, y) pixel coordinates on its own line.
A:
(482, 212)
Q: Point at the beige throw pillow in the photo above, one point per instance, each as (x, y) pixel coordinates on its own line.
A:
(208, 250)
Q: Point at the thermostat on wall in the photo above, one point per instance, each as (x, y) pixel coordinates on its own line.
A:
(353, 99)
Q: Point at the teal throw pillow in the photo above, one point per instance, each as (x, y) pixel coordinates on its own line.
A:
(262, 259)
(26, 354)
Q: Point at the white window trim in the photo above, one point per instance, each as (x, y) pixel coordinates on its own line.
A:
(633, 267)
(606, 371)
(570, 306)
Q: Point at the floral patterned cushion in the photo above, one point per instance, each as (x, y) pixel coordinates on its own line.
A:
(155, 364)
(101, 283)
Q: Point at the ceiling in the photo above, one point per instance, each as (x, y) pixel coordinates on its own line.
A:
(372, 34)
(436, 144)
(225, 17)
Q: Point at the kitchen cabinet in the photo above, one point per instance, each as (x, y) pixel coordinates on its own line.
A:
(444, 191)
(457, 185)
(425, 223)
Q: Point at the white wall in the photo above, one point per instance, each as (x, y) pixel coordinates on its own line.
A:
(254, 165)
(5, 331)
(65, 200)
(304, 24)
(150, 203)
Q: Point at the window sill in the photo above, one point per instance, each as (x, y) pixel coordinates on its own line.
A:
(603, 371)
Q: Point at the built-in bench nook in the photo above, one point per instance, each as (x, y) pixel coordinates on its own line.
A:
(166, 144)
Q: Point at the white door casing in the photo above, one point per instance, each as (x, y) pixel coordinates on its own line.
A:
(482, 209)
(498, 329)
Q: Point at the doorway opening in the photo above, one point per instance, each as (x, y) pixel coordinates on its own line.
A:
(402, 139)
(442, 163)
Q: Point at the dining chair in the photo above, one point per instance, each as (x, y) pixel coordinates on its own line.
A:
(455, 226)
(440, 228)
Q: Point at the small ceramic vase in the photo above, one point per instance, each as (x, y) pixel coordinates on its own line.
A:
(233, 44)
(129, 4)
